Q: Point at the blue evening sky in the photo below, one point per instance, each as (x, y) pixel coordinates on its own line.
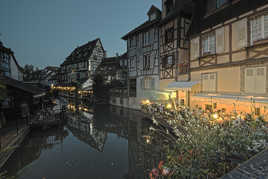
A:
(44, 32)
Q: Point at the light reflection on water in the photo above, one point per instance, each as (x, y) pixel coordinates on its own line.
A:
(107, 144)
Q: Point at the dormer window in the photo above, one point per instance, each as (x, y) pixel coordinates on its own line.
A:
(152, 16)
(169, 6)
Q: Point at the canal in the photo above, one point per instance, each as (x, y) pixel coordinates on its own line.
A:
(111, 143)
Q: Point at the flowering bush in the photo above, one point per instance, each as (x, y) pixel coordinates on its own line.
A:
(206, 144)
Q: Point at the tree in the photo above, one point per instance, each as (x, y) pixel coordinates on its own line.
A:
(28, 72)
(100, 90)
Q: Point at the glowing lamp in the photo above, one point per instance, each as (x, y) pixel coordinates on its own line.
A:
(169, 106)
(215, 116)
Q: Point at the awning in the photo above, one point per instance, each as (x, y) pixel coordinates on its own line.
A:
(182, 85)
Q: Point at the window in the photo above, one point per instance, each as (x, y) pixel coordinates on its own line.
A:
(209, 82)
(132, 62)
(153, 16)
(147, 83)
(146, 38)
(170, 60)
(259, 28)
(146, 62)
(219, 3)
(169, 35)
(255, 80)
(155, 34)
(167, 61)
(209, 44)
(132, 42)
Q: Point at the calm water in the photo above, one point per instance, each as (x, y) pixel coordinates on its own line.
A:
(110, 144)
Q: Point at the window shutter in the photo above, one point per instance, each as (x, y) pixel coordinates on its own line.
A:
(192, 52)
(250, 80)
(260, 79)
(220, 40)
(256, 30)
(265, 19)
(242, 27)
(197, 51)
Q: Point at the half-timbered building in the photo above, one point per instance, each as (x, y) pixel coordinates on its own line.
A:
(229, 56)
(9, 66)
(143, 55)
(174, 45)
(81, 64)
(114, 70)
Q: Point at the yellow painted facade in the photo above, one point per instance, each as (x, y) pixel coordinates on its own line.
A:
(230, 63)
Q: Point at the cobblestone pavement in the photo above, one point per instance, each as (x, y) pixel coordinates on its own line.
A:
(254, 168)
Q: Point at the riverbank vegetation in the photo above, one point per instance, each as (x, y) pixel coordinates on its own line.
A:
(205, 144)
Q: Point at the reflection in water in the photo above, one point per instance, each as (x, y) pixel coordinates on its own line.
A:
(33, 147)
(111, 143)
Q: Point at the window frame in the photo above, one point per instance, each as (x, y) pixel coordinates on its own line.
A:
(146, 62)
(263, 30)
(208, 37)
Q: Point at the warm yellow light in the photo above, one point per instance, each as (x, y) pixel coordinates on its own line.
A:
(85, 109)
(148, 141)
(173, 95)
(169, 106)
(146, 102)
(215, 116)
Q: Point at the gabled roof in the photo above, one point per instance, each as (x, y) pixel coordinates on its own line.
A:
(16, 62)
(184, 9)
(141, 28)
(146, 24)
(201, 23)
(112, 62)
(82, 53)
(10, 52)
(5, 50)
(153, 9)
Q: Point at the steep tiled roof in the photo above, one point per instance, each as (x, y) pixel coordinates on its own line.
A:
(81, 53)
(182, 8)
(200, 22)
(153, 9)
(142, 27)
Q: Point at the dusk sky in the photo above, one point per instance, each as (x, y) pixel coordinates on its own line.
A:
(44, 32)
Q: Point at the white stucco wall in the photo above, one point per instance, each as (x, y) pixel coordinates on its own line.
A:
(151, 93)
(14, 70)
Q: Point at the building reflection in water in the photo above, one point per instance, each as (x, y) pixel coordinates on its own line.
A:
(32, 148)
(144, 151)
